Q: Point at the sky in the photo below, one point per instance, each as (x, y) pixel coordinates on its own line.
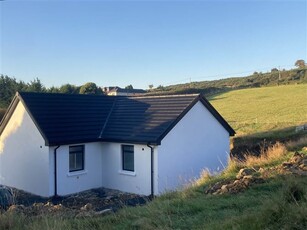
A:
(117, 43)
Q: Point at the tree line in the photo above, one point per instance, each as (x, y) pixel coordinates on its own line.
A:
(9, 86)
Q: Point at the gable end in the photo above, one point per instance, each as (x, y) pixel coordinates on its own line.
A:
(17, 98)
(208, 106)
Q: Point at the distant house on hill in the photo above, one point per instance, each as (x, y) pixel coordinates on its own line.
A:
(59, 144)
(117, 91)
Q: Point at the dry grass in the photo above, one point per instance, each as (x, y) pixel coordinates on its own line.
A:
(273, 155)
(297, 144)
(205, 176)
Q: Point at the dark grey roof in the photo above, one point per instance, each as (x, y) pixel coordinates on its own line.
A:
(67, 119)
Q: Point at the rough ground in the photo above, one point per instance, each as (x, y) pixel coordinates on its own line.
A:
(88, 203)
(247, 177)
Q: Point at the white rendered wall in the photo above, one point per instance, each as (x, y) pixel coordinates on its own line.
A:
(73, 182)
(197, 142)
(24, 158)
(114, 177)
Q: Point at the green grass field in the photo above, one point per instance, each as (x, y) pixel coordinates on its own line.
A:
(263, 109)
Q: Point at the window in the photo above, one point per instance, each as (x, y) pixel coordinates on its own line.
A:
(76, 158)
(128, 157)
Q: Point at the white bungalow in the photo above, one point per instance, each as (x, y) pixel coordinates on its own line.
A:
(59, 144)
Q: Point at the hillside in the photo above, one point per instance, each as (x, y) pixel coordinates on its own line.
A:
(262, 109)
(256, 80)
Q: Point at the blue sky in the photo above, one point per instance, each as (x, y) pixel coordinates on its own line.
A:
(148, 42)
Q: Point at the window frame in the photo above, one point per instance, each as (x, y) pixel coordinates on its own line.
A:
(75, 153)
(123, 158)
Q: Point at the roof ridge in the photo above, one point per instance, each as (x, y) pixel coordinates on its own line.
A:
(165, 96)
(108, 118)
(57, 94)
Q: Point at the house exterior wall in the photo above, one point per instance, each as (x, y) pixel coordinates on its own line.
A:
(197, 142)
(73, 182)
(114, 177)
(24, 158)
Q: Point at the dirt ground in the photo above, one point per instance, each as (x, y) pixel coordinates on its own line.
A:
(89, 202)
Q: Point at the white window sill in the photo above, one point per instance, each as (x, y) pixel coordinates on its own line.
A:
(77, 173)
(127, 173)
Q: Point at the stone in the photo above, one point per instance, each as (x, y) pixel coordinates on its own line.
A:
(261, 170)
(16, 209)
(245, 172)
(48, 204)
(87, 207)
(286, 165)
(57, 207)
(6, 197)
(298, 172)
(248, 177)
(296, 158)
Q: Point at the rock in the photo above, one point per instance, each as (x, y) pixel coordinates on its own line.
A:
(248, 177)
(48, 204)
(287, 165)
(16, 209)
(296, 158)
(87, 207)
(57, 207)
(6, 197)
(261, 170)
(245, 172)
(224, 188)
(214, 187)
(298, 172)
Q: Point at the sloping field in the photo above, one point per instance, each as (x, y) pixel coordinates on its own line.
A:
(263, 109)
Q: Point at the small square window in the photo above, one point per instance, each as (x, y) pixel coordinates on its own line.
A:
(128, 157)
(76, 158)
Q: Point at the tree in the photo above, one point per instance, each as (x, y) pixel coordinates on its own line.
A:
(150, 86)
(36, 86)
(53, 89)
(129, 87)
(300, 63)
(274, 70)
(8, 88)
(68, 88)
(161, 87)
(90, 88)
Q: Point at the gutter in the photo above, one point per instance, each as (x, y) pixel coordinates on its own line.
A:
(55, 173)
(151, 170)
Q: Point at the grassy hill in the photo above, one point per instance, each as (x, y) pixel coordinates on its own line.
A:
(262, 109)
